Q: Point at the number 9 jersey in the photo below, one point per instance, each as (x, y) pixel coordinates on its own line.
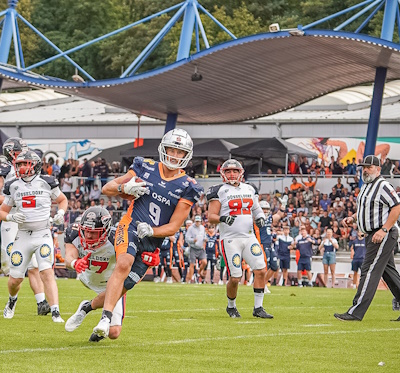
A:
(240, 201)
(163, 194)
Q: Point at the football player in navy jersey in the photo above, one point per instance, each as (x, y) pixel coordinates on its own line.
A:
(212, 249)
(163, 197)
(185, 249)
(264, 235)
(166, 258)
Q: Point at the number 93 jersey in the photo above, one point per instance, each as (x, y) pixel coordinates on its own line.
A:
(238, 201)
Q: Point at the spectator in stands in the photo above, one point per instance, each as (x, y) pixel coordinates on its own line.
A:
(352, 167)
(110, 206)
(358, 249)
(325, 202)
(308, 196)
(386, 169)
(190, 171)
(293, 167)
(65, 168)
(294, 229)
(78, 194)
(310, 183)
(314, 219)
(325, 221)
(335, 194)
(87, 172)
(295, 186)
(396, 168)
(67, 185)
(56, 169)
(317, 237)
(354, 184)
(304, 166)
(336, 167)
(95, 194)
(328, 248)
(103, 172)
(303, 209)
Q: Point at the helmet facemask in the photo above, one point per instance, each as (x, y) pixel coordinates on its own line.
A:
(96, 223)
(27, 165)
(232, 164)
(177, 139)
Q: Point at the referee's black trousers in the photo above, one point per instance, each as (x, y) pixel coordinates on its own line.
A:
(378, 262)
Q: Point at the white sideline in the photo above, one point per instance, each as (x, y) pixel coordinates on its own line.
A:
(198, 340)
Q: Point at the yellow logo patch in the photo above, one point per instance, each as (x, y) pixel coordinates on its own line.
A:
(45, 251)
(236, 260)
(16, 258)
(9, 248)
(256, 250)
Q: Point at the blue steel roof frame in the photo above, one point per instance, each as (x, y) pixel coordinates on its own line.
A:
(11, 72)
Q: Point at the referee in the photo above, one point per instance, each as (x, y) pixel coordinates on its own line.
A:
(378, 208)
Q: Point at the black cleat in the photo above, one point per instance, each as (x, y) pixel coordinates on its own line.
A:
(346, 317)
(43, 308)
(260, 312)
(233, 312)
(95, 338)
(398, 319)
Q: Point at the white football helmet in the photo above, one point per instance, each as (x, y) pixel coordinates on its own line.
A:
(178, 139)
(265, 205)
(232, 164)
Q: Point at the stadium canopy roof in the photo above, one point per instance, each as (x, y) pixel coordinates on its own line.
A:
(243, 79)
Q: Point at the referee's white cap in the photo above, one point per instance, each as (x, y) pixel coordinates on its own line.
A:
(371, 160)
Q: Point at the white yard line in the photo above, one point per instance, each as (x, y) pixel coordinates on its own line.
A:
(196, 340)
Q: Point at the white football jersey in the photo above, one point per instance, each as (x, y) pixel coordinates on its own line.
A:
(240, 201)
(33, 198)
(101, 262)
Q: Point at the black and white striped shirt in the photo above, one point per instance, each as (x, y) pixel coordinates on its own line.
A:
(374, 204)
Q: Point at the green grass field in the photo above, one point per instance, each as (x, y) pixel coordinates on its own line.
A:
(184, 328)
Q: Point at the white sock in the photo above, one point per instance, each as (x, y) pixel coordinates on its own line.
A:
(231, 303)
(13, 297)
(55, 308)
(39, 297)
(258, 299)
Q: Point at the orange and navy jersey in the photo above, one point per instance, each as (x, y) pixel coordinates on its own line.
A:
(163, 194)
(212, 246)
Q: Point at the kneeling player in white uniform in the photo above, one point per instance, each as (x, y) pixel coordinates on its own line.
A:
(32, 195)
(11, 148)
(89, 249)
(234, 204)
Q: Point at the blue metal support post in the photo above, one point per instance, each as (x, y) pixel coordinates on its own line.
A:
(389, 20)
(171, 122)
(185, 41)
(7, 32)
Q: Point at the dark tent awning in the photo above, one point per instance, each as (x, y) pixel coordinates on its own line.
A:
(213, 149)
(3, 138)
(114, 153)
(148, 149)
(273, 151)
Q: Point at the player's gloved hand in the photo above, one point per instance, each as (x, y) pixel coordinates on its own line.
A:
(133, 188)
(59, 217)
(80, 265)
(227, 219)
(283, 201)
(260, 222)
(18, 217)
(151, 259)
(144, 230)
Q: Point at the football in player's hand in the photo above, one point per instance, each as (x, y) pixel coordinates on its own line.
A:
(130, 197)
